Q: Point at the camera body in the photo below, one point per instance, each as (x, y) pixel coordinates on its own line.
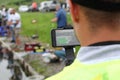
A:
(64, 38)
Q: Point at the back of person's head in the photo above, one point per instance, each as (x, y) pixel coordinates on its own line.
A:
(101, 12)
(96, 20)
(13, 10)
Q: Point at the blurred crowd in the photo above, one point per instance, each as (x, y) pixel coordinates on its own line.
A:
(10, 23)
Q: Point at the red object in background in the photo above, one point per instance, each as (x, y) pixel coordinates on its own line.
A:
(34, 5)
(30, 46)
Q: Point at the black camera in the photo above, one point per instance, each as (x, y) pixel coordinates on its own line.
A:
(64, 38)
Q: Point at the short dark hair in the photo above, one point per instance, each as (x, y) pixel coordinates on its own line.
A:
(97, 18)
(104, 5)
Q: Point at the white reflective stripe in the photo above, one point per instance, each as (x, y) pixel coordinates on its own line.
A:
(98, 54)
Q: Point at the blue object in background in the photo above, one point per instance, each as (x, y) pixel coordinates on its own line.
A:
(2, 31)
(60, 54)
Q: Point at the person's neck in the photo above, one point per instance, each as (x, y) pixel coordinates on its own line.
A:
(101, 35)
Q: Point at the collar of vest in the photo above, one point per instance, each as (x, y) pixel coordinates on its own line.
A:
(105, 43)
(100, 5)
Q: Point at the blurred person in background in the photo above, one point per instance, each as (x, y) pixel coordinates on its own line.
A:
(34, 6)
(4, 15)
(63, 4)
(60, 53)
(14, 22)
(61, 17)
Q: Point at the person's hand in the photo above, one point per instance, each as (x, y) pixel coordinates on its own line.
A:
(9, 23)
(54, 20)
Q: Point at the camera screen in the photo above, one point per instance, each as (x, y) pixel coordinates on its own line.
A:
(66, 37)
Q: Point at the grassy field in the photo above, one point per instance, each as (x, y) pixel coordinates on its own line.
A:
(42, 27)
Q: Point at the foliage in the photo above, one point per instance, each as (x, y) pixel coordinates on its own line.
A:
(12, 3)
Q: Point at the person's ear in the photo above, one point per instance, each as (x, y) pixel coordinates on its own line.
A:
(74, 9)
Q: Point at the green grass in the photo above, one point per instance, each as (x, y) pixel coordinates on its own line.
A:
(38, 67)
(42, 27)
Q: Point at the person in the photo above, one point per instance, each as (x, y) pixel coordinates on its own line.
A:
(63, 4)
(14, 21)
(4, 15)
(60, 53)
(34, 6)
(61, 17)
(97, 26)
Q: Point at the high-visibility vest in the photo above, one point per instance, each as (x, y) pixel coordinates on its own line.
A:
(101, 71)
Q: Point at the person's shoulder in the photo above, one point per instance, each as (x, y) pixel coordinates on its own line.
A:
(58, 11)
(10, 16)
(17, 14)
(62, 10)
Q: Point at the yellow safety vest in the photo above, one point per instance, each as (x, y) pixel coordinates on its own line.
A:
(78, 71)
